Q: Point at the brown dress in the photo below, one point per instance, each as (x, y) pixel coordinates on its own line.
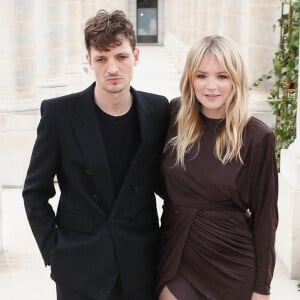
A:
(207, 237)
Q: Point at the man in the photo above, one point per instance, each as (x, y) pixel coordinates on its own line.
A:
(104, 145)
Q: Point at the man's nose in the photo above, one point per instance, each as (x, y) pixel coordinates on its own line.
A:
(112, 66)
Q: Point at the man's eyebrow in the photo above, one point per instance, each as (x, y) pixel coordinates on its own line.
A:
(123, 53)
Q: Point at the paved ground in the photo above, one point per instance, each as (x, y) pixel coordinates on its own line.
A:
(22, 273)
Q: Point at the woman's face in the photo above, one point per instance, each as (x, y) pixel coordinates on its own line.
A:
(213, 87)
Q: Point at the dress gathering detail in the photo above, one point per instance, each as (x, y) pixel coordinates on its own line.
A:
(219, 221)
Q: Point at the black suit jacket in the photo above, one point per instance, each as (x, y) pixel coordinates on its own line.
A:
(85, 245)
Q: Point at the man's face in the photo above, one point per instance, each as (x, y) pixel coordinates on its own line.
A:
(114, 68)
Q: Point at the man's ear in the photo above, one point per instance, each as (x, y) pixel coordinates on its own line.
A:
(136, 54)
(88, 58)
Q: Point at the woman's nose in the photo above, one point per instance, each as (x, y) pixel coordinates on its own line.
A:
(211, 84)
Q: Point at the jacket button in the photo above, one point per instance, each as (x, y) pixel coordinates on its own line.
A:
(88, 172)
(135, 188)
(95, 197)
(133, 217)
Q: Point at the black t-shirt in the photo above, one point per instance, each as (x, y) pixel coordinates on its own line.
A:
(121, 137)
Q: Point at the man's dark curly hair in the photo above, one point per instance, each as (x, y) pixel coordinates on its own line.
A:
(102, 31)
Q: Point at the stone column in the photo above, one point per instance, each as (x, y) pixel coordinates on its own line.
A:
(176, 37)
(193, 21)
(6, 47)
(131, 13)
(110, 5)
(50, 45)
(17, 55)
(185, 16)
(202, 18)
(288, 234)
(171, 41)
(74, 46)
(196, 21)
(1, 221)
(214, 16)
(263, 42)
(161, 21)
(18, 105)
(234, 23)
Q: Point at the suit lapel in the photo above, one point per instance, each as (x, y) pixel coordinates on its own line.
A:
(144, 112)
(87, 131)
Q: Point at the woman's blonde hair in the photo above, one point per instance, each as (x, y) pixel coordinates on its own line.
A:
(230, 138)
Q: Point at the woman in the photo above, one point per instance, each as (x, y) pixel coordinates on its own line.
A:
(219, 221)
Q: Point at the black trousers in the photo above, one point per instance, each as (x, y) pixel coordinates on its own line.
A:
(143, 293)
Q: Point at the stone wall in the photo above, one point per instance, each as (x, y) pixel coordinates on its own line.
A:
(1, 221)
(42, 55)
(249, 23)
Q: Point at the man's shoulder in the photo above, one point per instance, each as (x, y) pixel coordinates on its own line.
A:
(60, 100)
(151, 102)
(152, 97)
(65, 100)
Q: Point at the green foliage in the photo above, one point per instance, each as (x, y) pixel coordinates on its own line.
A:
(283, 95)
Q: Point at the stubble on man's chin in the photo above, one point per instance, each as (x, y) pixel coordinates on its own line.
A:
(116, 89)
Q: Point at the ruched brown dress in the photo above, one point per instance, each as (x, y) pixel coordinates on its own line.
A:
(208, 237)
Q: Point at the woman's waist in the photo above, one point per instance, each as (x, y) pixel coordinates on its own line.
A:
(201, 205)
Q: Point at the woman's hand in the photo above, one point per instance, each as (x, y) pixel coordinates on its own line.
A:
(256, 296)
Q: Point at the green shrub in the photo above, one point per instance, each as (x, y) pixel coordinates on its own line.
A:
(283, 95)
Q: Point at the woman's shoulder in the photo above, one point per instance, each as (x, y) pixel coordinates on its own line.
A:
(259, 125)
(257, 130)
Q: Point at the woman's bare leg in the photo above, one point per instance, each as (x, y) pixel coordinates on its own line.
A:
(166, 294)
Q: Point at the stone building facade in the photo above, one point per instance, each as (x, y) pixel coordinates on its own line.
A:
(42, 55)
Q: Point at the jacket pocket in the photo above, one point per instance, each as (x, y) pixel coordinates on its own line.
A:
(74, 222)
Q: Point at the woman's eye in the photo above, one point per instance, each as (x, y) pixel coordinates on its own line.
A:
(223, 76)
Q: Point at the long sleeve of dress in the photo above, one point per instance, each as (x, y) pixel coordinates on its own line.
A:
(263, 205)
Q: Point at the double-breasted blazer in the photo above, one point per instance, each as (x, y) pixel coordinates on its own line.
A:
(86, 243)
